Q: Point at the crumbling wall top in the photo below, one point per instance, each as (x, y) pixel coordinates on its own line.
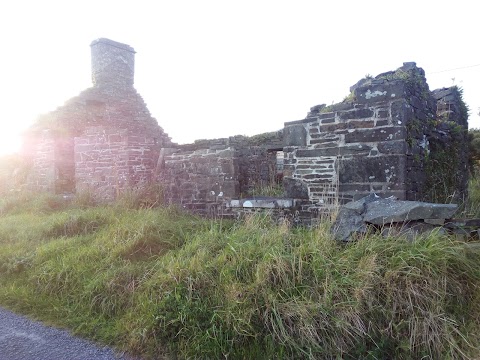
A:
(113, 43)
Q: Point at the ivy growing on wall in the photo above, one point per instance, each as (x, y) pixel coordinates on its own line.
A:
(442, 164)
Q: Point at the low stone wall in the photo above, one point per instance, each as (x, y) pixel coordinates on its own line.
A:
(200, 180)
(204, 175)
(101, 161)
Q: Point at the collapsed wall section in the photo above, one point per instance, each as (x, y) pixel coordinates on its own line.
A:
(207, 174)
(447, 161)
(390, 136)
(349, 150)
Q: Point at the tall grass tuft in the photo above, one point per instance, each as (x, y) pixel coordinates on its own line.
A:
(158, 282)
(144, 196)
(473, 203)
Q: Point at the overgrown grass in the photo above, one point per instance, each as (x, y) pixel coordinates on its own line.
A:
(272, 189)
(159, 282)
(473, 203)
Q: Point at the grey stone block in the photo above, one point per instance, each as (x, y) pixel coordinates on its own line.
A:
(354, 217)
(295, 135)
(295, 188)
(387, 211)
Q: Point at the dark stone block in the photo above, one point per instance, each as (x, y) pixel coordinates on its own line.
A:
(363, 124)
(382, 123)
(388, 169)
(332, 127)
(382, 113)
(325, 137)
(348, 222)
(324, 144)
(230, 188)
(318, 152)
(326, 115)
(295, 188)
(334, 151)
(401, 113)
(355, 149)
(295, 135)
(318, 176)
(374, 135)
(347, 125)
(392, 147)
(386, 211)
(315, 110)
(356, 114)
(325, 162)
(353, 187)
(328, 121)
(380, 92)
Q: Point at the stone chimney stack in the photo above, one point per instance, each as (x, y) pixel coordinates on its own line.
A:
(112, 63)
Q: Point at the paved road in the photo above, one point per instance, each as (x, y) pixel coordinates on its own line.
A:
(24, 339)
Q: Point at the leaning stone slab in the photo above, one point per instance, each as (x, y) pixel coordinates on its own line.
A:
(386, 211)
(348, 222)
(360, 205)
(354, 217)
(349, 219)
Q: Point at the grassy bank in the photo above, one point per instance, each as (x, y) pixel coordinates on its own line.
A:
(157, 281)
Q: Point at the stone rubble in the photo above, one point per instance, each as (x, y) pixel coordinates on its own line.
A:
(389, 214)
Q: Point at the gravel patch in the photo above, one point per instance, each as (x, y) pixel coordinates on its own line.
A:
(24, 339)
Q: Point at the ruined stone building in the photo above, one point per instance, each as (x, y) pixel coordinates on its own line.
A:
(104, 139)
(391, 135)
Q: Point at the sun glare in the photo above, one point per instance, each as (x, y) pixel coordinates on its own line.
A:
(10, 142)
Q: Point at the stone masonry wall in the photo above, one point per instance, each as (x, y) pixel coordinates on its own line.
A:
(101, 161)
(43, 173)
(200, 180)
(205, 175)
(380, 139)
(348, 152)
(106, 139)
(65, 167)
(391, 135)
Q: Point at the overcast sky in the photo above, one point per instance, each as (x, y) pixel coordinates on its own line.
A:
(211, 69)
